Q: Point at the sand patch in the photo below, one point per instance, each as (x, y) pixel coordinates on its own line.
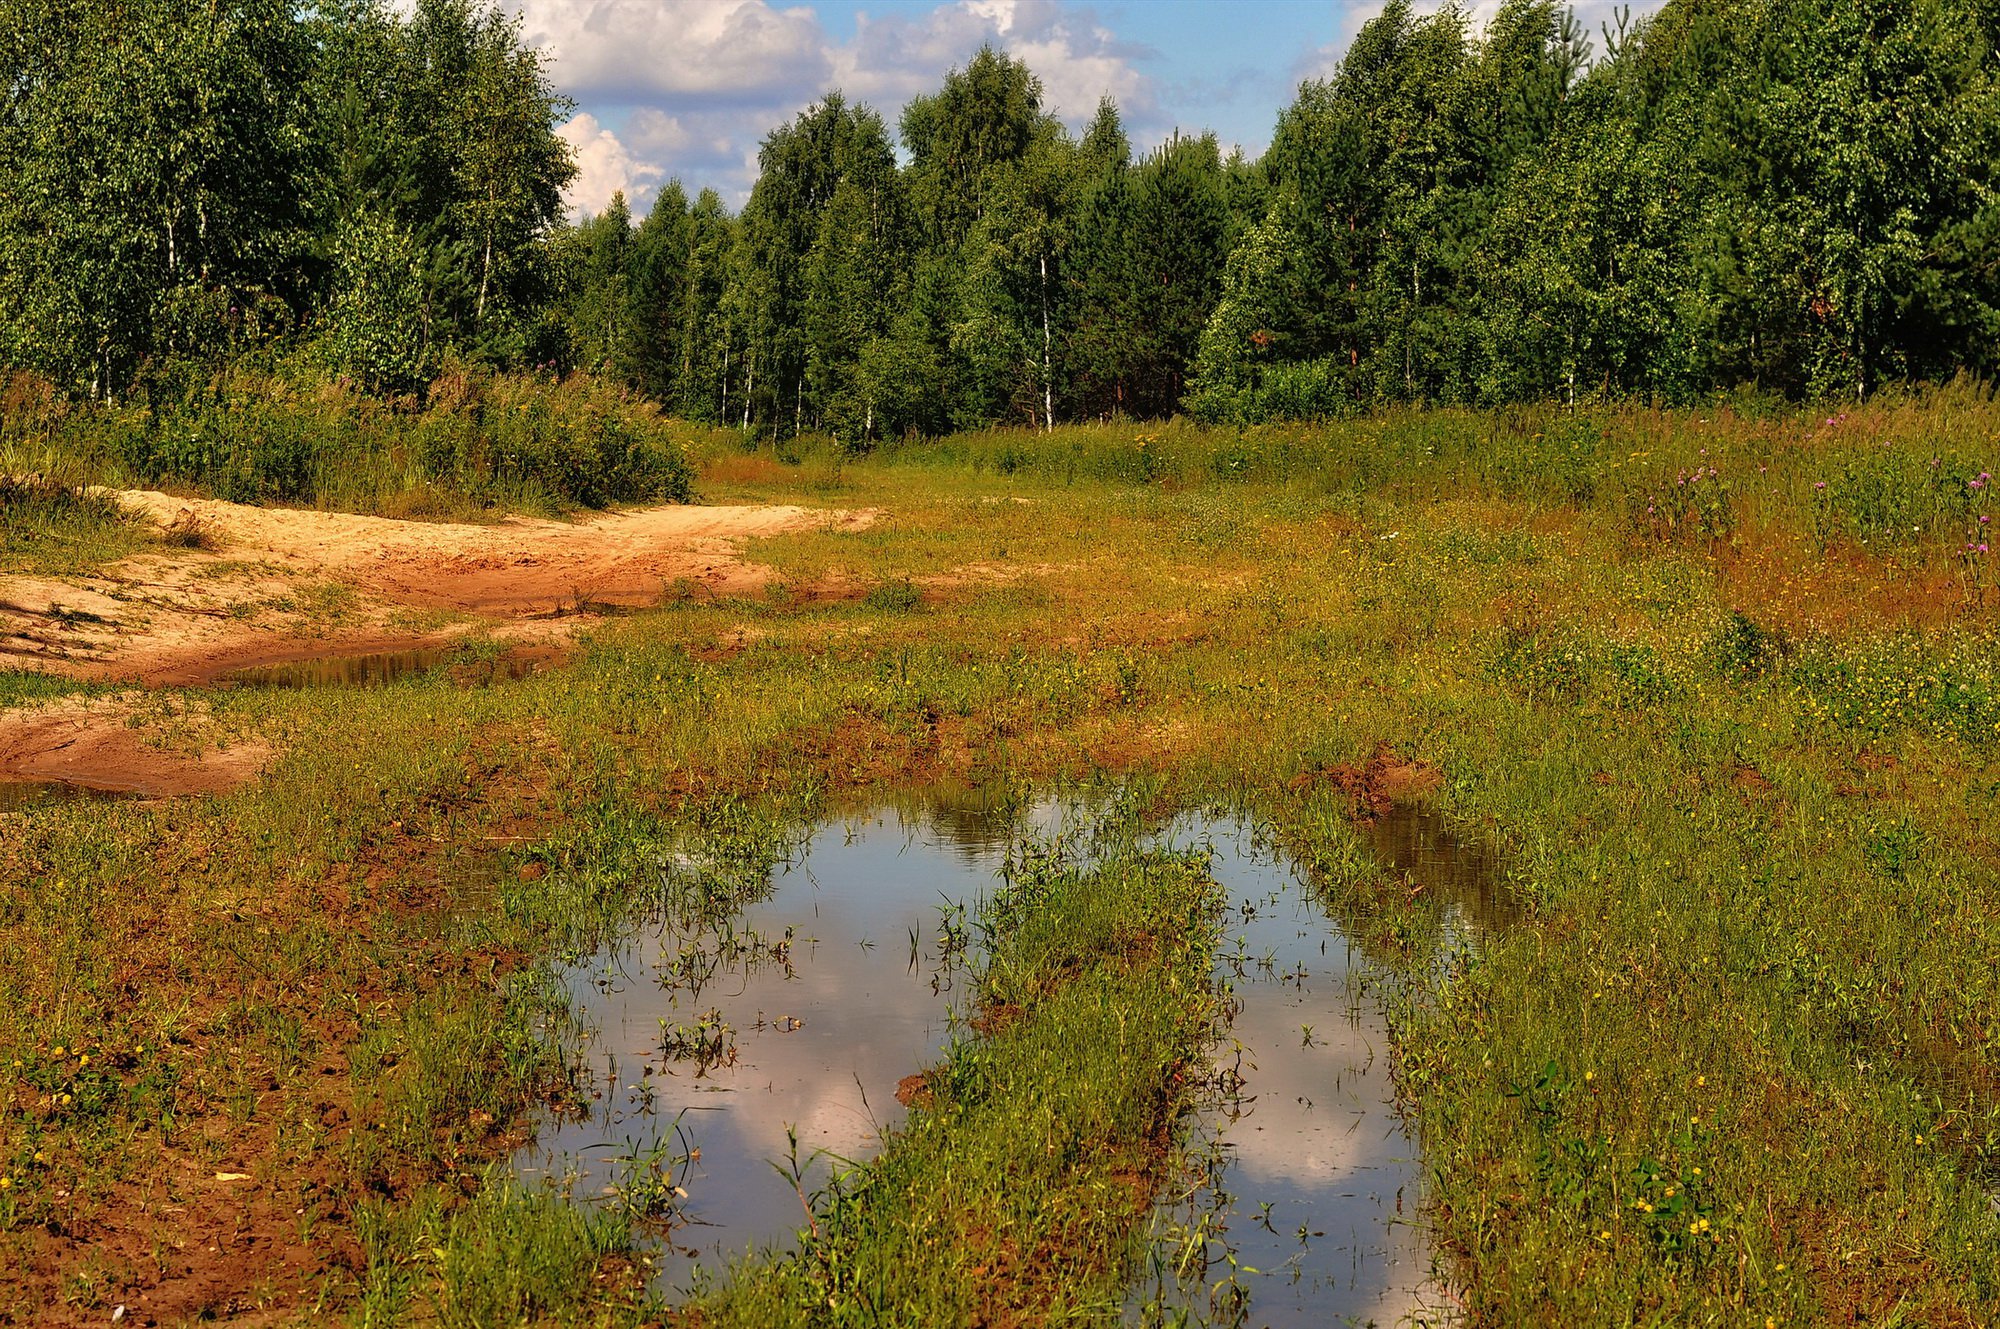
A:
(280, 583)
(107, 743)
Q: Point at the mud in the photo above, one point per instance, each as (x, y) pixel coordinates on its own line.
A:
(1379, 786)
(95, 745)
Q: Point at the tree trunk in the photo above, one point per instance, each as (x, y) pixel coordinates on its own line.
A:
(1048, 362)
(485, 276)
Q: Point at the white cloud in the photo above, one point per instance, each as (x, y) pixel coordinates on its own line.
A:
(1077, 58)
(605, 166)
(629, 51)
(1324, 62)
(705, 80)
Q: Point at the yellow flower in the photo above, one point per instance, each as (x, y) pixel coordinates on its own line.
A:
(84, 1060)
(59, 1050)
(6, 1183)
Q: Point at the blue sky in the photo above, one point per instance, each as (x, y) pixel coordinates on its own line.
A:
(687, 88)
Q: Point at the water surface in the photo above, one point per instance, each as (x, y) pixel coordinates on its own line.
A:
(837, 990)
(377, 668)
(1312, 1183)
(24, 795)
(798, 1019)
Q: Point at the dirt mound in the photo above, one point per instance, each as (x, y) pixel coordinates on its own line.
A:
(1384, 781)
(231, 587)
(96, 743)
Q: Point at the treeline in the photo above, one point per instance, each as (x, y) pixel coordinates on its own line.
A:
(1007, 271)
(1795, 195)
(186, 182)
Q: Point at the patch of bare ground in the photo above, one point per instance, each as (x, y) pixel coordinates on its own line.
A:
(1377, 785)
(102, 743)
(269, 584)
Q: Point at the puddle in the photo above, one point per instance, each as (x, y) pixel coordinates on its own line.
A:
(1312, 1185)
(26, 795)
(1419, 846)
(836, 992)
(376, 669)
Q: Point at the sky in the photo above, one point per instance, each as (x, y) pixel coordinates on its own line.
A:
(687, 89)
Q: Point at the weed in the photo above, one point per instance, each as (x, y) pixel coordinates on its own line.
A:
(893, 597)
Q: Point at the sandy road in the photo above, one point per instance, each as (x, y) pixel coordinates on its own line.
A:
(284, 584)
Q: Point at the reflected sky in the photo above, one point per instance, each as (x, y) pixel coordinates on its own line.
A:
(1320, 1184)
(822, 1039)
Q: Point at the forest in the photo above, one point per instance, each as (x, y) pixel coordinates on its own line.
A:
(1793, 198)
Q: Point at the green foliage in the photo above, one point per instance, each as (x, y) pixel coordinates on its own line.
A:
(186, 183)
(1743, 199)
(376, 326)
(479, 439)
(47, 523)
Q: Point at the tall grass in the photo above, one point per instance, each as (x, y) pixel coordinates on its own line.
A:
(1902, 473)
(476, 440)
(56, 523)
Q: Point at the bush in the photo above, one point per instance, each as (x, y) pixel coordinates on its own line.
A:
(476, 440)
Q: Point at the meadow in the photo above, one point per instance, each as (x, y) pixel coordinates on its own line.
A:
(1719, 688)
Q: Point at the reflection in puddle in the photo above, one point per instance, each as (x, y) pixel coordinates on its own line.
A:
(832, 990)
(377, 668)
(1418, 845)
(1312, 1185)
(25, 795)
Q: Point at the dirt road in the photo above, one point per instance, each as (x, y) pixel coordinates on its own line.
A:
(278, 584)
(281, 584)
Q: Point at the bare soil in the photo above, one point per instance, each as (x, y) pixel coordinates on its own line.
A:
(274, 585)
(102, 743)
(281, 583)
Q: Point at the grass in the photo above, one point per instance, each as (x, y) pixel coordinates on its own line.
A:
(476, 442)
(1740, 767)
(52, 525)
(1015, 1191)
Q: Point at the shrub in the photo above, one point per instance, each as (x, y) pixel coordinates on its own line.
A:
(478, 440)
